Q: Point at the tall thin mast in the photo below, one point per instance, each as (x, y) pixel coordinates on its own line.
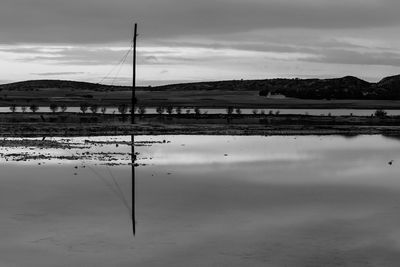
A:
(133, 156)
(134, 75)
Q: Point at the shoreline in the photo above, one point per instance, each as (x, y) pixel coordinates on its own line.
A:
(51, 130)
(42, 125)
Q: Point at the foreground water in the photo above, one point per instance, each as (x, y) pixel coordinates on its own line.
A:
(201, 201)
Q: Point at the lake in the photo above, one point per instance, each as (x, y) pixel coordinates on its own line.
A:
(201, 201)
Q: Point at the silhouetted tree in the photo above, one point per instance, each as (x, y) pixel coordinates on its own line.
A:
(94, 108)
(34, 108)
(84, 107)
(63, 108)
(238, 111)
(160, 110)
(229, 112)
(380, 113)
(255, 111)
(178, 110)
(142, 110)
(103, 110)
(23, 108)
(13, 108)
(197, 111)
(53, 107)
(170, 110)
(123, 109)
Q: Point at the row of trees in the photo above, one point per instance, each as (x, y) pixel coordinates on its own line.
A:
(84, 107)
(124, 109)
(32, 107)
(229, 110)
(178, 110)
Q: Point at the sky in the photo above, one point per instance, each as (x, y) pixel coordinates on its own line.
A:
(193, 40)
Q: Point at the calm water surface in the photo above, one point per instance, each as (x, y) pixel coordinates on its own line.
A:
(202, 201)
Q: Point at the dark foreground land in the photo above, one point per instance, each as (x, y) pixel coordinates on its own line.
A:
(74, 124)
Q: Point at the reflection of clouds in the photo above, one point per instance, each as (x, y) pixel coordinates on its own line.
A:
(375, 170)
(362, 170)
(211, 149)
(185, 158)
(186, 150)
(284, 159)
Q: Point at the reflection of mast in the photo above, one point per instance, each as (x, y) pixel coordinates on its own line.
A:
(133, 156)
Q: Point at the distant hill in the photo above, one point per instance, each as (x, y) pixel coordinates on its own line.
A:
(340, 88)
(243, 85)
(59, 84)
(234, 85)
(348, 87)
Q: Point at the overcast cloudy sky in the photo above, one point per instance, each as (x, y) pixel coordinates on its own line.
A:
(196, 40)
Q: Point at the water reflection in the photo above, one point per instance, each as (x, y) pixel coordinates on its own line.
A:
(237, 201)
(133, 191)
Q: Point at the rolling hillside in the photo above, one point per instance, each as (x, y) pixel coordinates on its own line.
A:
(340, 88)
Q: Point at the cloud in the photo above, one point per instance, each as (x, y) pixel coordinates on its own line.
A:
(57, 73)
(358, 58)
(103, 21)
(80, 55)
(201, 40)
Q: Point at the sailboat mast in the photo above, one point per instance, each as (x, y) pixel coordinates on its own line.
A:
(134, 75)
(133, 156)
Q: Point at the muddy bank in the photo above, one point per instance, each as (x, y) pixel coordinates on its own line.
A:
(111, 125)
(44, 130)
(110, 151)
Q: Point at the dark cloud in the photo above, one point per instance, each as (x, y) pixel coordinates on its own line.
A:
(333, 52)
(358, 58)
(327, 52)
(79, 55)
(102, 21)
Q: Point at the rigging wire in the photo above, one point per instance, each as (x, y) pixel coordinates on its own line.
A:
(120, 67)
(121, 62)
(116, 190)
(123, 198)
